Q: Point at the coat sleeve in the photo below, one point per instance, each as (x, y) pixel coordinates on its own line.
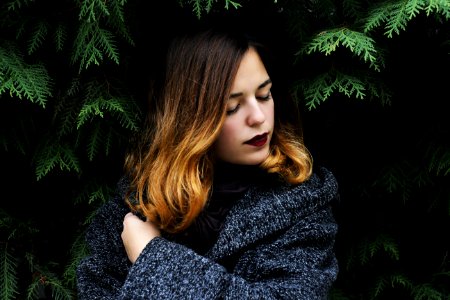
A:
(296, 263)
(299, 264)
(102, 273)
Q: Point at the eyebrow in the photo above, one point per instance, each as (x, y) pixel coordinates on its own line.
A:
(262, 85)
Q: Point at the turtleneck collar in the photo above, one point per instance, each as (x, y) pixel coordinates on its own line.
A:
(230, 183)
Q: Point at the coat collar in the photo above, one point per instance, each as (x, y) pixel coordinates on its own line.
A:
(263, 211)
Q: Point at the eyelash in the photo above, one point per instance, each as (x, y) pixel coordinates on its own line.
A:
(264, 98)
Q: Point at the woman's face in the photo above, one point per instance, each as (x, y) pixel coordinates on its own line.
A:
(247, 131)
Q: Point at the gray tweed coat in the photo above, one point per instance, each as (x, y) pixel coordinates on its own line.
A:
(277, 243)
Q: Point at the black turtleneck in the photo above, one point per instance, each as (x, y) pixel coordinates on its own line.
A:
(229, 184)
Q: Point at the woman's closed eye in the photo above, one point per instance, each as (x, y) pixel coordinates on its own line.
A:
(232, 110)
(265, 97)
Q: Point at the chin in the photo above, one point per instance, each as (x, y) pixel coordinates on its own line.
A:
(255, 159)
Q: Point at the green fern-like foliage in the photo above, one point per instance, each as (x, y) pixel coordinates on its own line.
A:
(398, 178)
(92, 44)
(319, 89)
(204, 6)
(369, 248)
(395, 15)
(55, 154)
(94, 41)
(427, 292)
(78, 251)
(44, 278)
(385, 281)
(8, 273)
(38, 36)
(98, 102)
(22, 80)
(328, 41)
(95, 193)
(439, 158)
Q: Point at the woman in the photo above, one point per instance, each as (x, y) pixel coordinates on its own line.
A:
(220, 200)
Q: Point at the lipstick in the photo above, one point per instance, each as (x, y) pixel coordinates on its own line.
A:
(258, 140)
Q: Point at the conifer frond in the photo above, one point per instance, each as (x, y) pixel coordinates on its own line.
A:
(94, 193)
(95, 140)
(78, 251)
(397, 179)
(21, 79)
(358, 43)
(117, 20)
(439, 160)
(396, 15)
(38, 36)
(8, 273)
(91, 44)
(402, 281)
(99, 100)
(60, 36)
(91, 10)
(198, 6)
(426, 292)
(53, 153)
(379, 287)
(323, 86)
(233, 3)
(65, 116)
(368, 248)
(46, 279)
(14, 5)
(99, 136)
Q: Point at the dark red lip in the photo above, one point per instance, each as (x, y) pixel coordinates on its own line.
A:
(258, 140)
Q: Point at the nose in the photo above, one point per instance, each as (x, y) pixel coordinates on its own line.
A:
(256, 114)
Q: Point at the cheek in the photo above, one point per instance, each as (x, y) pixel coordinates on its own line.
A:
(228, 134)
(227, 137)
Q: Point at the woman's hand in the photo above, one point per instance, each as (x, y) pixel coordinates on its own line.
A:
(136, 235)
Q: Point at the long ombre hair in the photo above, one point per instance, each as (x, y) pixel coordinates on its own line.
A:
(171, 170)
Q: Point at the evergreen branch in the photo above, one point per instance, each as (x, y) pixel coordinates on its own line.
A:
(439, 7)
(358, 43)
(91, 8)
(37, 37)
(233, 3)
(95, 192)
(117, 20)
(55, 154)
(198, 6)
(78, 251)
(60, 37)
(380, 286)
(43, 278)
(426, 292)
(369, 248)
(117, 106)
(91, 43)
(65, 116)
(397, 178)
(398, 19)
(402, 281)
(439, 160)
(89, 110)
(125, 111)
(21, 79)
(396, 15)
(105, 40)
(323, 86)
(8, 275)
(95, 140)
(15, 5)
